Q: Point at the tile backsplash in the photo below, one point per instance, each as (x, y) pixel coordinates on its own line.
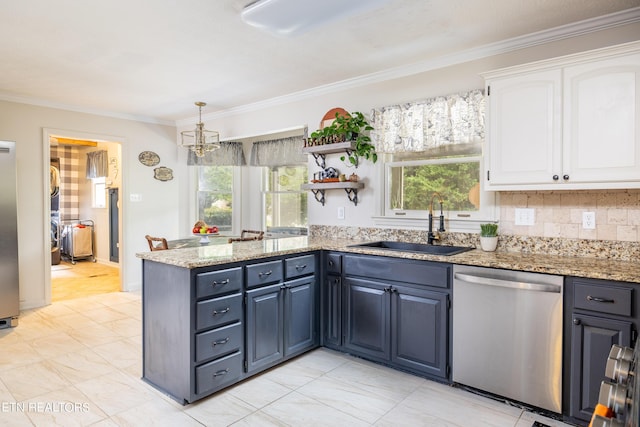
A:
(557, 229)
(559, 214)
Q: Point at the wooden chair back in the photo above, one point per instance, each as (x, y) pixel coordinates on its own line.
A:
(157, 243)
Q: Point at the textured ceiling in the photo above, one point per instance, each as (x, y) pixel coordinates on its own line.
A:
(152, 59)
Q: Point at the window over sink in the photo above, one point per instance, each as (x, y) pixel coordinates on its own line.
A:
(412, 178)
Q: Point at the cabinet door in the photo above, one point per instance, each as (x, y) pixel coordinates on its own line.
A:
(333, 311)
(264, 327)
(602, 120)
(419, 330)
(300, 315)
(367, 318)
(592, 338)
(524, 131)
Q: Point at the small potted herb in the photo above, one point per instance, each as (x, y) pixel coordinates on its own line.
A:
(489, 237)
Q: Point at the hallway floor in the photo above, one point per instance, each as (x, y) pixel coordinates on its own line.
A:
(78, 362)
(83, 279)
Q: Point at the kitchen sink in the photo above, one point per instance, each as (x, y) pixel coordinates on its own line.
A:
(422, 248)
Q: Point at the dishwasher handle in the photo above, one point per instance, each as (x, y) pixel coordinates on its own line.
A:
(489, 281)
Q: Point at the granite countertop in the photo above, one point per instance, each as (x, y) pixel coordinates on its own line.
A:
(596, 268)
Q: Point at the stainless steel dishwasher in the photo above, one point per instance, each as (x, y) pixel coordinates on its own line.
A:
(507, 334)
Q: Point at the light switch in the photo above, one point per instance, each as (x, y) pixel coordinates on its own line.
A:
(341, 212)
(134, 197)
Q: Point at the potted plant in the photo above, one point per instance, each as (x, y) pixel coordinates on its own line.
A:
(350, 127)
(489, 237)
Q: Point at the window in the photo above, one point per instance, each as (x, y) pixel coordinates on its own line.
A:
(215, 194)
(285, 204)
(412, 179)
(99, 192)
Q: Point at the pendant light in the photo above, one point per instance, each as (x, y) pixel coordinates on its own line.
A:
(200, 140)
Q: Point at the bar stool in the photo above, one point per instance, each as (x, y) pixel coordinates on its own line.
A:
(157, 243)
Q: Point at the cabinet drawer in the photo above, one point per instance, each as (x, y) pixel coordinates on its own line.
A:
(218, 282)
(218, 373)
(603, 299)
(299, 266)
(389, 268)
(224, 340)
(218, 311)
(334, 263)
(264, 273)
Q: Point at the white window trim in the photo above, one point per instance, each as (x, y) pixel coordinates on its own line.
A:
(418, 220)
(94, 192)
(236, 200)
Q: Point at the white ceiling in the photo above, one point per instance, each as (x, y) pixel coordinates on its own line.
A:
(151, 59)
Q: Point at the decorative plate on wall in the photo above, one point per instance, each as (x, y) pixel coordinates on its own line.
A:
(149, 158)
(163, 173)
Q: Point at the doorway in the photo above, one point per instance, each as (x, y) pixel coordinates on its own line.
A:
(85, 221)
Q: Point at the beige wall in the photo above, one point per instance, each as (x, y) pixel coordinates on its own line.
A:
(559, 214)
(158, 212)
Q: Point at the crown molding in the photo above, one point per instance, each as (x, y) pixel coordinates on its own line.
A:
(575, 29)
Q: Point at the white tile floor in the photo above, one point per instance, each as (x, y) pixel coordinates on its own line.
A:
(78, 362)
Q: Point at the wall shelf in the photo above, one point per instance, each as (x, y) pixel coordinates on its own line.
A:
(350, 187)
(319, 152)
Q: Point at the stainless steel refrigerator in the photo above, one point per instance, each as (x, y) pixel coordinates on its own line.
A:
(9, 285)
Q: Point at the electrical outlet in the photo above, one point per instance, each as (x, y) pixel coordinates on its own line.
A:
(588, 220)
(341, 212)
(525, 216)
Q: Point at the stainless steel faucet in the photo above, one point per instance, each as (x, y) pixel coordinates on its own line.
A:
(431, 236)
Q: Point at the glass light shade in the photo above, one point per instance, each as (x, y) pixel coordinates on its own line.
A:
(200, 140)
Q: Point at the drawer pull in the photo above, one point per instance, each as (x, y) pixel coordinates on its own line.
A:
(224, 341)
(221, 373)
(265, 273)
(226, 310)
(224, 282)
(301, 267)
(598, 299)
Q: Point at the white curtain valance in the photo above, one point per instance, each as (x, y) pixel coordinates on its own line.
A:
(278, 152)
(97, 164)
(435, 122)
(230, 153)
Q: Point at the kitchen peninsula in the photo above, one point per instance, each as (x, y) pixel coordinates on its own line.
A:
(216, 315)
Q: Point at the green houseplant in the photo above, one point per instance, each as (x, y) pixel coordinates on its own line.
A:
(489, 237)
(350, 127)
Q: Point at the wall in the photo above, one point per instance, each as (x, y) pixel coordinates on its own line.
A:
(555, 213)
(155, 214)
(166, 208)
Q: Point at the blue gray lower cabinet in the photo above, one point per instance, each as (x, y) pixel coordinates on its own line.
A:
(282, 321)
(207, 328)
(599, 313)
(394, 318)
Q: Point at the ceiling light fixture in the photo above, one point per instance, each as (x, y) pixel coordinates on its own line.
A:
(200, 140)
(294, 17)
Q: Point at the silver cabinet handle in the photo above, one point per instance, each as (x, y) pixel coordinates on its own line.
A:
(599, 299)
(221, 372)
(301, 267)
(489, 281)
(220, 342)
(265, 273)
(221, 283)
(226, 310)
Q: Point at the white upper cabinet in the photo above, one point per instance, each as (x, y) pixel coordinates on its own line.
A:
(567, 123)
